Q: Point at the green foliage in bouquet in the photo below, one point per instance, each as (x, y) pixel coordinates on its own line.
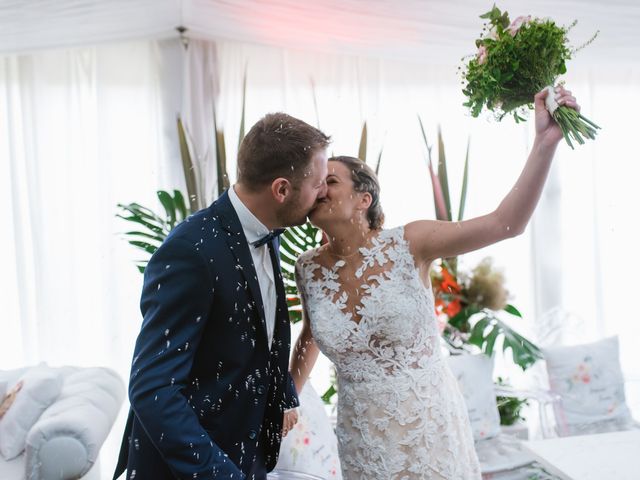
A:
(507, 70)
(517, 59)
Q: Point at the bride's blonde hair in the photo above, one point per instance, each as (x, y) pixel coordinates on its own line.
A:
(365, 180)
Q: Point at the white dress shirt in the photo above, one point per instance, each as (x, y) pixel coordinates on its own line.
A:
(254, 230)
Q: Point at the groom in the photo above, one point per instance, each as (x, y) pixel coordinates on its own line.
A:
(210, 388)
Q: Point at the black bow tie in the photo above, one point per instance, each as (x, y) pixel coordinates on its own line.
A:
(268, 237)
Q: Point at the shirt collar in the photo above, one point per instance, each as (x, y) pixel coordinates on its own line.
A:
(253, 228)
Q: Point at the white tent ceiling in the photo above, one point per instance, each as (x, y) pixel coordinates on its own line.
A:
(438, 31)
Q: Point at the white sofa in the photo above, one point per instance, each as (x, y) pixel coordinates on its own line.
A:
(65, 441)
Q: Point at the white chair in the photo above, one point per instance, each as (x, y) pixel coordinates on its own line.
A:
(69, 427)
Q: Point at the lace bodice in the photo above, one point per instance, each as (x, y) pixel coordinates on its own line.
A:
(383, 326)
(400, 414)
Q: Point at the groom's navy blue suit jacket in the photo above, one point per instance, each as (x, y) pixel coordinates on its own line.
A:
(207, 393)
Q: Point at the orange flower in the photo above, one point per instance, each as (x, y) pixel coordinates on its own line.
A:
(453, 308)
(449, 283)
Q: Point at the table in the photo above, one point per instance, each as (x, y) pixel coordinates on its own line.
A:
(590, 457)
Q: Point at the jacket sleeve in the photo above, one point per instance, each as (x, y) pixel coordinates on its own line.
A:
(291, 396)
(176, 300)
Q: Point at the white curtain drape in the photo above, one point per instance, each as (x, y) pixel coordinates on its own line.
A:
(200, 88)
(81, 130)
(84, 129)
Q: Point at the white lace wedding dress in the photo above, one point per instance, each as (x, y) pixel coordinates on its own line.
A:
(400, 413)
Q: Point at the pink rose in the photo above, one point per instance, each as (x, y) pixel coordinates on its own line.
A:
(482, 54)
(517, 23)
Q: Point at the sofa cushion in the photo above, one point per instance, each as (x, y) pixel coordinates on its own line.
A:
(475, 379)
(9, 397)
(588, 378)
(41, 387)
(311, 447)
(13, 469)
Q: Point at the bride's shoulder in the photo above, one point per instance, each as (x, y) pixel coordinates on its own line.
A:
(391, 234)
(308, 256)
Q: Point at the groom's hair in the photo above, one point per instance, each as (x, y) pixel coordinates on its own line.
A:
(278, 145)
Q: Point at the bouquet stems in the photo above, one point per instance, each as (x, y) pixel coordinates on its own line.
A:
(574, 125)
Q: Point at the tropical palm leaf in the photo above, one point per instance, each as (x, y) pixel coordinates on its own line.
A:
(221, 156)
(362, 149)
(442, 174)
(189, 168)
(315, 101)
(244, 98)
(293, 242)
(465, 177)
(378, 162)
(438, 196)
(153, 228)
(486, 331)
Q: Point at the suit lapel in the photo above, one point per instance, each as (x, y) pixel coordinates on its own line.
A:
(240, 248)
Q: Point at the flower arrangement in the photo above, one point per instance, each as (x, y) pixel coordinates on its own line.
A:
(484, 287)
(515, 60)
(468, 306)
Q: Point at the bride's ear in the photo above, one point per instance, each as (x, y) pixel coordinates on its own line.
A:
(365, 200)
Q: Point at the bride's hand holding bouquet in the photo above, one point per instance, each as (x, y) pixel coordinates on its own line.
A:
(548, 131)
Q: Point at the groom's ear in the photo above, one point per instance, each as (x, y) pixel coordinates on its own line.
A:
(281, 189)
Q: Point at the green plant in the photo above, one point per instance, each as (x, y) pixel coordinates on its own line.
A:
(440, 185)
(153, 228)
(509, 407)
(293, 242)
(463, 300)
(362, 148)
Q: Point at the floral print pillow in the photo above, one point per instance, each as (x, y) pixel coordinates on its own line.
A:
(475, 380)
(311, 447)
(589, 381)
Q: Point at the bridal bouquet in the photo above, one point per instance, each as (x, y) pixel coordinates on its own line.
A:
(517, 59)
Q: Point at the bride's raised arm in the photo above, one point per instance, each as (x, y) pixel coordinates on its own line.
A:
(431, 239)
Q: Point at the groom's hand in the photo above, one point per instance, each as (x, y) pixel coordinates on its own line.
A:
(289, 421)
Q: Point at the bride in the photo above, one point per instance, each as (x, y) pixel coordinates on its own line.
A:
(368, 307)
